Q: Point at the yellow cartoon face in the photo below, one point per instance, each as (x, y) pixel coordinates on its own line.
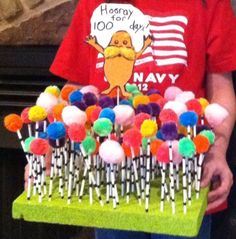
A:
(121, 39)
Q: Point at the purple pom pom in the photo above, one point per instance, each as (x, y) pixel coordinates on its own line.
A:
(106, 102)
(155, 109)
(200, 128)
(81, 105)
(53, 143)
(169, 131)
(90, 99)
(153, 91)
(144, 109)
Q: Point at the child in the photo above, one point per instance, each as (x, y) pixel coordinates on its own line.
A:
(193, 48)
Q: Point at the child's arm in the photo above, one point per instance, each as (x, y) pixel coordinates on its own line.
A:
(216, 170)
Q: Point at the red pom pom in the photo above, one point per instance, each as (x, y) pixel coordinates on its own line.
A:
(202, 144)
(76, 132)
(168, 115)
(163, 154)
(194, 105)
(25, 116)
(132, 138)
(39, 146)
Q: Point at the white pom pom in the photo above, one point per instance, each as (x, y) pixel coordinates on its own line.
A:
(47, 101)
(215, 114)
(124, 115)
(185, 96)
(176, 106)
(111, 152)
(90, 89)
(71, 114)
(171, 92)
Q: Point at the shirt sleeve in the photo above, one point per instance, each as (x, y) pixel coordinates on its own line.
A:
(72, 58)
(221, 44)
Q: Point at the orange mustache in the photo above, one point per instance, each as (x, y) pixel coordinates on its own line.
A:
(113, 51)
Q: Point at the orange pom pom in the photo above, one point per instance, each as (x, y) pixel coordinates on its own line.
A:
(57, 110)
(13, 122)
(154, 146)
(89, 111)
(140, 99)
(202, 144)
(155, 98)
(127, 151)
(66, 90)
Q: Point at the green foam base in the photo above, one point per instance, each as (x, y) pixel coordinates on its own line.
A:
(130, 216)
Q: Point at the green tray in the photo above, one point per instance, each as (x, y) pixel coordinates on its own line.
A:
(130, 216)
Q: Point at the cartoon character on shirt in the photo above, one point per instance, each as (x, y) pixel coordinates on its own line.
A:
(119, 59)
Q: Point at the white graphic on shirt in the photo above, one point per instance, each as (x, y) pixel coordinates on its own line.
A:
(168, 47)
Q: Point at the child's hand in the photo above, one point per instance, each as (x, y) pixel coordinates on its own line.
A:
(47, 164)
(216, 171)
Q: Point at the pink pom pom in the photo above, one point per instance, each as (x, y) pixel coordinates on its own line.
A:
(171, 92)
(95, 113)
(124, 115)
(76, 132)
(132, 138)
(177, 158)
(215, 114)
(71, 114)
(47, 101)
(111, 152)
(185, 96)
(163, 153)
(168, 115)
(194, 105)
(39, 146)
(90, 89)
(177, 107)
(139, 118)
(25, 116)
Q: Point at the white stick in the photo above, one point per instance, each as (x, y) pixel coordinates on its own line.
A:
(163, 178)
(147, 189)
(51, 177)
(29, 178)
(128, 180)
(71, 162)
(184, 185)
(199, 172)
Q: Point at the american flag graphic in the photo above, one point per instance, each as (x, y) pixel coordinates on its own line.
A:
(168, 46)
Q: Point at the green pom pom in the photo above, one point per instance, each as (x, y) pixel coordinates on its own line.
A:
(209, 134)
(130, 87)
(27, 144)
(89, 145)
(102, 127)
(186, 147)
(136, 92)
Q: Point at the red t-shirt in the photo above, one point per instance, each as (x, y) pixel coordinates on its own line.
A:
(190, 39)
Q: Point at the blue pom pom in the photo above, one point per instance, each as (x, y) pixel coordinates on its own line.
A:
(43, 135)
(77, 146)
(188, 118)
(169, 131)
(125, 102)
(159, 135)
(56, 130)
(108, 113)
(75, 96)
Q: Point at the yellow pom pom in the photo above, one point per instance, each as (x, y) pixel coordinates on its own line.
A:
(148, 128)
(53, 89)
(140, 99)
(37, 113)
(204, 103)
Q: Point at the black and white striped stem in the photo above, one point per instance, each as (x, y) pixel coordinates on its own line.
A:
(123, 169)
(202, 119)
(184, 185)
(177, 176)
(195, 163)
(66, 163)
(163, 183)
(77, 173)
(189, 181)
(142, 173)
(36, 129)
(59, 167)
(30, 177)
(136, 175)
(71, 172)
(29, 130)
(35, 178)
(22, 144)
(39, 179)
(114, 193)
(90, 183)
(53, 162)
(199, 173)
(98, 170)
(91, 176)
(108, 183)
(128, 175)
(83, 181)
(147, 186)
(132, 179)
(103, 169)
(43, 179)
